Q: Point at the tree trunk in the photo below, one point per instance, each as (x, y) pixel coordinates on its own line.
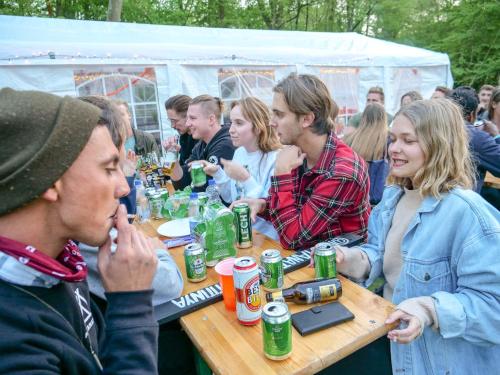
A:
(115, 10)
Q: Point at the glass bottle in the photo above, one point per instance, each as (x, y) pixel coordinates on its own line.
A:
(307, 292)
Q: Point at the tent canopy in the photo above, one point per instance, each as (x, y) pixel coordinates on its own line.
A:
(28, 37)
(146, 64)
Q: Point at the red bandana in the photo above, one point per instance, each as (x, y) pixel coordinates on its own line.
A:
(68, 266)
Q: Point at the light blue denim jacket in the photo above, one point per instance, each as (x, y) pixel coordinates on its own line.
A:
(451, 252)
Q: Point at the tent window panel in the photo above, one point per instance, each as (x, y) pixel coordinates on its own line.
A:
(343, 84)
(136, 86)
(146, 116)
(404, 80)
(266, 83)
(144, 92)
(117, 87)
(91, 88)
(235, 84)
(230, 89)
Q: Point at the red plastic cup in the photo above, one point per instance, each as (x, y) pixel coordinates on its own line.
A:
(225, 271)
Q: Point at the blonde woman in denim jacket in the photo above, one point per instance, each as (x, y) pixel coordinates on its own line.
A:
(437, 243)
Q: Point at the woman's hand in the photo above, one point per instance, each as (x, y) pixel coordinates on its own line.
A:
(339, 256)
(234, 170)
(129, 163)
(409, 329)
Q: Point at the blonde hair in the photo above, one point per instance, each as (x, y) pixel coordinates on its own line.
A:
(441, 134)
(211, 105)
(369, 140)
(257, 113)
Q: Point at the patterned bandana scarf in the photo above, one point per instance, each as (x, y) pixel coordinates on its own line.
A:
(68, 266)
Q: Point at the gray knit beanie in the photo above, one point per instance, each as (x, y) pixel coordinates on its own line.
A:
(41, 135)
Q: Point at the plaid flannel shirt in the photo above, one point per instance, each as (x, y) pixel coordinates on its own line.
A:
(310, 206)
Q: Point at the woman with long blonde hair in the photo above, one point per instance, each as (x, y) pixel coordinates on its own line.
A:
(436, 242)
(369, 141)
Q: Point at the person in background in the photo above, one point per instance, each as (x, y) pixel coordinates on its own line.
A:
(369, 141)
(203, 120)
(320, 186)
(177, 107)
(484, 100)
(441, 92)
(484, 145)
(112, 111)
(493, 113)
(139, 141)
(410, 97)
(375, 95)
(249, 173)
(60, 181)
(167, 282)
(425, 237)
(492, 122)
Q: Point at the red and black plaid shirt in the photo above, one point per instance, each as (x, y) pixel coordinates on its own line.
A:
(310, 206)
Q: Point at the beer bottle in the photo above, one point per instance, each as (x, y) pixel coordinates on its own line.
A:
(307, 292)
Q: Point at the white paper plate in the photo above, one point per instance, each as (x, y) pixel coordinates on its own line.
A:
(174, 228)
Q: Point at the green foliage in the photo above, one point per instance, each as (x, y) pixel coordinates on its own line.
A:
(467, 30)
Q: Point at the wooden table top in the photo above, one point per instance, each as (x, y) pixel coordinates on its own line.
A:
(231, 348)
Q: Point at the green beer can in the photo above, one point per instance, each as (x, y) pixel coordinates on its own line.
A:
(198, 176)
(156, 205)
(271, 270)
(325, 260)
(276, 331)
(196, 266)
(243, 225)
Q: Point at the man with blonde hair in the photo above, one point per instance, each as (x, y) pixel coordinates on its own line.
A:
(320, 185)
(203, 121)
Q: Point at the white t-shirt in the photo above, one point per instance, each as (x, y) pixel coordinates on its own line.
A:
(261, 168)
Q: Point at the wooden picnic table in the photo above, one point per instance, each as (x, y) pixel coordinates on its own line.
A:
(231, 348)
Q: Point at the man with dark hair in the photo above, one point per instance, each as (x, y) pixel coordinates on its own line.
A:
(320, 186)
(485, 147)
(440, 92)
(60, 181)
(177, 107)
(375, 95)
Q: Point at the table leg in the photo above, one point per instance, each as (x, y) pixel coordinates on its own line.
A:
(200, 364)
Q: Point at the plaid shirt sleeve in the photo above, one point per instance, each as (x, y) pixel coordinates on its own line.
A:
(330, 198)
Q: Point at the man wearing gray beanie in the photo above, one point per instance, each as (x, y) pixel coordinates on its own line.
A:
(60, 181)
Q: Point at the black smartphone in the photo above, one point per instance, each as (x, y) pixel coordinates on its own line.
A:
(320, 317)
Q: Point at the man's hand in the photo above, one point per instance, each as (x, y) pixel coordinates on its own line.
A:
(209, 168)
(256, 205)
(490, 128)
(234, 170)
(289, 158)
(409, 329)
(133, 265)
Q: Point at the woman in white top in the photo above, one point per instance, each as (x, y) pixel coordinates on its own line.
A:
(248, 174)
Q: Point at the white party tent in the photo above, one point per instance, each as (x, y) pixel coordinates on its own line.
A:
(145, 64)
